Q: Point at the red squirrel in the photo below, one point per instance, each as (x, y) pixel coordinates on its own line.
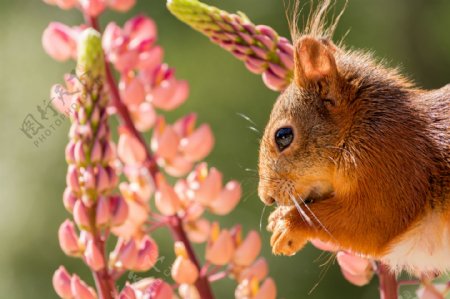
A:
(355, 154)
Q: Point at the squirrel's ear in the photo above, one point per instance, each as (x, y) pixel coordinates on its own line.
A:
(314, 62)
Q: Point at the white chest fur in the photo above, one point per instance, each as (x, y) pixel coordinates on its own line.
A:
(425, 248)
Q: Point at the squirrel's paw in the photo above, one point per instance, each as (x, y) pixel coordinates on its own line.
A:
(286, 238)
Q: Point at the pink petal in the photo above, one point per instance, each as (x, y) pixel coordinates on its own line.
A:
(130, 150)
(110, 38)
(119, 210)
(353, 264)
(68, 238)
(220, 251)
(258, 270)
(139, 29)
(94, 257)
(268, 290)
(144, 116)
(170, 94)
(184, 271)
(81, 290)
(132, 91)
(358, 280)
(166, 144)
(273, 81)
(210, 188)
(198, 145)
(61, 283)
(92, 7)
(58, 41)
(126, 254)
(127, 293)
(147, 254)
(178, 166)
(121, 5)
(150, 59)
(103, 212)
(227, 199)
(198, 231)
(248, 250)
(166, 200)
(81, 216)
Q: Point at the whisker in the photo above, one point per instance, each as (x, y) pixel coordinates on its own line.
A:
(254, 130)
(300, 210)
(247, 118)
(261, 218)
(317, 219)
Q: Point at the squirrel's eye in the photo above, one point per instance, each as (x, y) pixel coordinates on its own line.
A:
(284, 137)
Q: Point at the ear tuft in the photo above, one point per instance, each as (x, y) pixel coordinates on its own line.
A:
(314, 61)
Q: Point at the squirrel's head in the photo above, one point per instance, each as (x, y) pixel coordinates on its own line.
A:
(300, 142)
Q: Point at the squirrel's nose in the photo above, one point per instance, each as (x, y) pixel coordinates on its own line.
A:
(267, 199)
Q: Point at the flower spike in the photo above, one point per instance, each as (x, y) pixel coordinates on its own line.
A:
(261, 49)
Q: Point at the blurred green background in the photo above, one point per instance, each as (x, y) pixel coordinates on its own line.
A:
(412, 34)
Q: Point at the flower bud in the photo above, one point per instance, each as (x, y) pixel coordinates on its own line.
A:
(69, 199)
(355, 269)
(188, 291)
(198, 231)
(119, 210)
(102, 212)
(68, 238)
(80, 215)
(61, 283)
(268, 290)
(432, 291)
(133, 92)
(72, 178)
(273, 81)
(184, 271)
(208, 188)
(93, 257)
(81, 290)
(92, 7)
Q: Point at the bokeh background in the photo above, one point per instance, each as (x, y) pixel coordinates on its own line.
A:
(412, 34)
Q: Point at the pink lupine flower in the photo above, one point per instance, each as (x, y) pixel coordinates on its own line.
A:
(119, 210)
(165, 141)
(61, 283)
(251, 289)
(94, 257)
(69, 199)
(227, 200)
(188, 291)
(204, 185)
(198, 144)
(258, 269)
(121, 5)
(153, 288)
(247, 250)
(68, 238)
(137, 215)
(143, 115)
(129, 149)
(123, 47)
(197, 230)
(125, 254)
(103, 212)
(80, 215)
(357, 270)
(132, 90)
(63, 4)
(325, 246)
(432, 291)
(183, 269)
(147, 254)
(127, 292)
(80, 289)
(220, 247)
(92, 7)
(166, 199)
(169, 93)
(59, 41)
